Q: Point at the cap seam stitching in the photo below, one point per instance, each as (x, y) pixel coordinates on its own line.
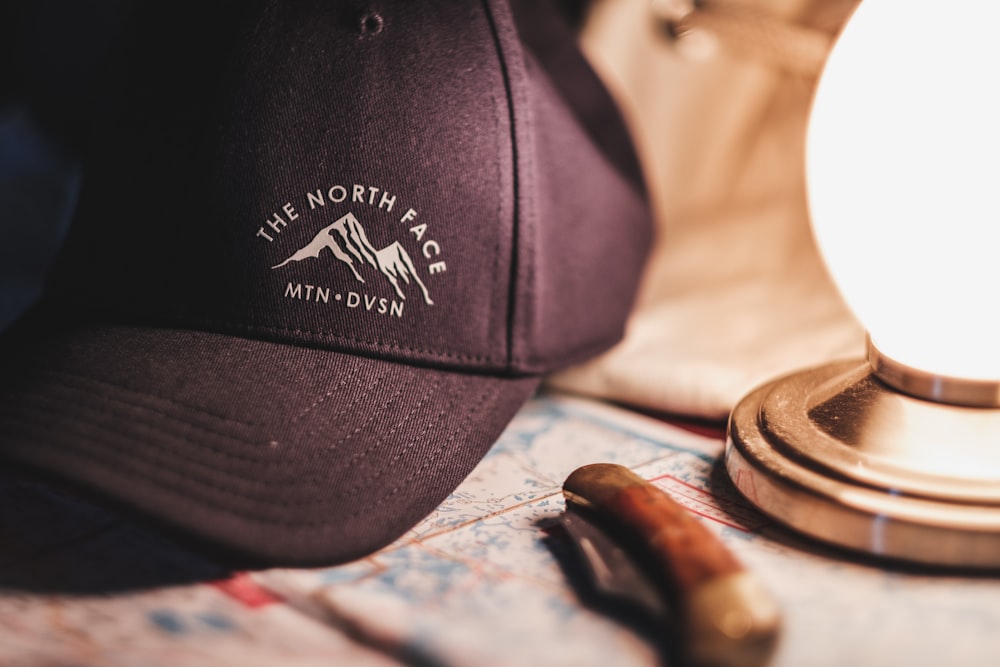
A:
(264, 499)
(327, 394)
(91, 414)
(515, 182)
(95, 411)
(134, 462)
(499, 210)
(468, 416)
(222, 324)
(576, 355)
(134, 401)
(155, 397)
(371, 477)
(175, 491)
(356, 399)
(371, 417)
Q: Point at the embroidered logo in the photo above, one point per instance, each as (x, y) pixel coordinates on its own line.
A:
(347, 243)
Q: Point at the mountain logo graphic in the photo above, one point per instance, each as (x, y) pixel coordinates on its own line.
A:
(347, 242)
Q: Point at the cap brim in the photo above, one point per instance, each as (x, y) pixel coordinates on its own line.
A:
(284, 454)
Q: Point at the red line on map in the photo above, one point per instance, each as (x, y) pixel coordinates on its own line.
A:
(242, 588)
(701, 497)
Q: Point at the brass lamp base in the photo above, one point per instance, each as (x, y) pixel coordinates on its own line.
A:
(838, 455)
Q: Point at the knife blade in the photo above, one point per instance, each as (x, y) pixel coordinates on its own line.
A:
(641, 544)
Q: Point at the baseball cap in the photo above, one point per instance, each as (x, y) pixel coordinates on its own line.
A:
(323, 253)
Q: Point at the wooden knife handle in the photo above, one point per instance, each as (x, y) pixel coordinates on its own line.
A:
(681, 546)
(728, 617)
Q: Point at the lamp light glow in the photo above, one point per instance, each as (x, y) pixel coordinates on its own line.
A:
(897, 455)
(903, 169)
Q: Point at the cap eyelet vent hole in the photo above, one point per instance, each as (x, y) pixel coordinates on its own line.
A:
(370, 24)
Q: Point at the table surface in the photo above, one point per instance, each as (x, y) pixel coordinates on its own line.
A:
(488, 579)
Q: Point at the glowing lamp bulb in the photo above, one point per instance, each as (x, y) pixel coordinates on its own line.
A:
(903, 171)
(896, 456)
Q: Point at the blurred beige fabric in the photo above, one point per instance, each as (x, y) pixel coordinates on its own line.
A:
(735, 293)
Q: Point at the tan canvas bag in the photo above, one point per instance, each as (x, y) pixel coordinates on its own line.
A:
(717, 95)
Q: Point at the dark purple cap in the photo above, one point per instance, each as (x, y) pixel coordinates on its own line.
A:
(323, 254)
